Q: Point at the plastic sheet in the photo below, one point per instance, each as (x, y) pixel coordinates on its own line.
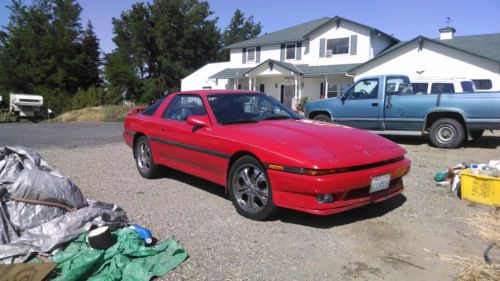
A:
(31, 228)
(128, 259)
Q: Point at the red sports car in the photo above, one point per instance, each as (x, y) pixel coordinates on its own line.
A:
(264, 154)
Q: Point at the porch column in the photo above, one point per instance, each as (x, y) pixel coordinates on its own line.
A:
(326, 86)
(301, 82)
(296, 88)
(250, 80)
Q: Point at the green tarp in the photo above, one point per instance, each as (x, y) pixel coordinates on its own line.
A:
(128, 259)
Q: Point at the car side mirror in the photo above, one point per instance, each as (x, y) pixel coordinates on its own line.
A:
(198, 120)
(342, 96)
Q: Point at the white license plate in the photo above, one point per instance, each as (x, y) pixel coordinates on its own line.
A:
(380, 183)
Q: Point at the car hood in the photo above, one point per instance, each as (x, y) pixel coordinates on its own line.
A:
(318, 145)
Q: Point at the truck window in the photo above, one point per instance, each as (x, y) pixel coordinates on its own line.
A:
(467, 86)
(420, 88)
(438, 88)
(398, 85)
(364, 89)
(482, 84)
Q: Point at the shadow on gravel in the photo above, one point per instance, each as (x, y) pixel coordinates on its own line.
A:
(359, 214)
(199, 183)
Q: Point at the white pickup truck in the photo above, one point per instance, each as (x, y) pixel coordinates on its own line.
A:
(22, 106)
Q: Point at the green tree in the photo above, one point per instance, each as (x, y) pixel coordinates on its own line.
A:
(44, 50)
(158, 44)
(239, 29)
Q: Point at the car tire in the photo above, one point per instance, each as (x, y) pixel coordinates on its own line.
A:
(144, 159)
(476, 134)
(323, 117)
(447, 133)
(250, 189)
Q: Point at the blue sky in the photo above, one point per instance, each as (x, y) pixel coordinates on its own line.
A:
(402, 18)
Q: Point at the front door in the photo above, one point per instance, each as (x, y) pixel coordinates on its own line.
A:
(360, 106)
(287, 94)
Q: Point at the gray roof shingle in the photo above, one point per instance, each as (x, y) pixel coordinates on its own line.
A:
(230, 73)
(291, 34)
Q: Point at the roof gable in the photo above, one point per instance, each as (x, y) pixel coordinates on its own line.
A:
(483, 46)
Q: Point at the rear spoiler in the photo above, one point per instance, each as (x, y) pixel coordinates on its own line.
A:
(135, 111)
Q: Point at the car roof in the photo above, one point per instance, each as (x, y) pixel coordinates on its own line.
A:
(218, 92)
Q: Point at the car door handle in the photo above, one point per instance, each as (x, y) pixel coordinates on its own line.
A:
(375, 104)
(163, 129)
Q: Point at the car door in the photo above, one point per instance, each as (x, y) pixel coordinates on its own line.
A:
(182, 145)
(360, 105)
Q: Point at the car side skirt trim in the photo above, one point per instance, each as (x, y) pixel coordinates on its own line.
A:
(190, 147)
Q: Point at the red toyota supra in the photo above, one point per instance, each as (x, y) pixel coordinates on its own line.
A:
(264, 154)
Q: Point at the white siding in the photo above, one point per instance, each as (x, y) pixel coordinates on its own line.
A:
(199, 79)
(433, 60)
(330, 31)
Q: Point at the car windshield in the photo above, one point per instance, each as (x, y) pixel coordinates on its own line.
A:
(248, 108)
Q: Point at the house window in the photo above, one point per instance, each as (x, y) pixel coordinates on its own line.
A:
(290, 51)
(337, 46)
(251, 55)
(482, 84)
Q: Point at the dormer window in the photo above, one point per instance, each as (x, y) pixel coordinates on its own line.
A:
(337, 46)
(251, 55)
(290, 51)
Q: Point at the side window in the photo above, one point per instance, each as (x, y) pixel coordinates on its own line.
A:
(183, 106)
(482, 84)
(467, 86)
(438, 88)
(420, 88)
(364, 89)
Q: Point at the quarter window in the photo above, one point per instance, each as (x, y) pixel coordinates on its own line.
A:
(152, 108)
(337, 46)
(184, 106)
(290, 51)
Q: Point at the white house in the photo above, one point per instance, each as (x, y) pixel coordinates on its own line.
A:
(475, 57)
(328, 53)
(302, 60)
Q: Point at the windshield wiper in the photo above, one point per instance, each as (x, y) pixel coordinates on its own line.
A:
(237, 121)
(275, 117)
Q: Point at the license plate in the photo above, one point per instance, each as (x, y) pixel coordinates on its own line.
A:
(380, 183)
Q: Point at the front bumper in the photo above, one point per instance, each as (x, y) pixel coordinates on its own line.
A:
(350, 190)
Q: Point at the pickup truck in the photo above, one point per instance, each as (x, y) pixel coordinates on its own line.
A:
(386, 104)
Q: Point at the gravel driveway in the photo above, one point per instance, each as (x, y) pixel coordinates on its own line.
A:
(363, 244)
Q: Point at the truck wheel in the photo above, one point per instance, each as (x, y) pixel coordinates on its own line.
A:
(476, 134)
(323, 117)
(447, 133)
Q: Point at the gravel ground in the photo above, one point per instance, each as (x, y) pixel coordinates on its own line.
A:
(356, 245)
(66, 135)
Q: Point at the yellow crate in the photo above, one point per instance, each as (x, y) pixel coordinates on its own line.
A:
(479, 188)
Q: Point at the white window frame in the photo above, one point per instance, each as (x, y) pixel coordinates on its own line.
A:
(253, 52)
(331, 54)
(294, 51)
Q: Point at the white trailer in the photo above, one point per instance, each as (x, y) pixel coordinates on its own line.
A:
(23, 106)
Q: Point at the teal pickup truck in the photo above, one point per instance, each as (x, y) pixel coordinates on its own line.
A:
(386, 104)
